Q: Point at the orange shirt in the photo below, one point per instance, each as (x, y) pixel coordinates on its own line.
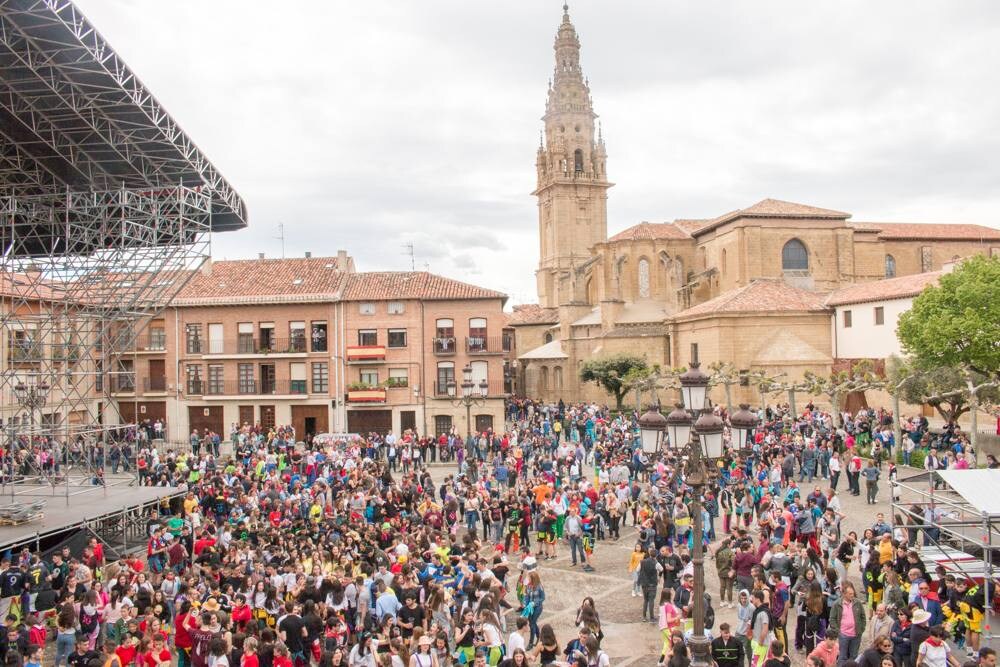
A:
(542, 493)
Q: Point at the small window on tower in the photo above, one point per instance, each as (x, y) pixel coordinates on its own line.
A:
(578, 160)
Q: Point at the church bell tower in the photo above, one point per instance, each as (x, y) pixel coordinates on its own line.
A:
(572, 185)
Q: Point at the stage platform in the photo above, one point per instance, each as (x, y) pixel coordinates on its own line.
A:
(83, 508)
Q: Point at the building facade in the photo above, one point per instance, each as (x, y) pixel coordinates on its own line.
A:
(746, 287)
(315, 344)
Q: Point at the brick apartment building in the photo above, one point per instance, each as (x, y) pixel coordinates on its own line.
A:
(313, 343)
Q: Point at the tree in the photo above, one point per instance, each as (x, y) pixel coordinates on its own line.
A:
(952, 391)
(726, 374)
(766, 384)
(861, 377)
(956, 323)
(611, 373)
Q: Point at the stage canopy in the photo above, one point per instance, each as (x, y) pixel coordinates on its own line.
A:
(979, 487)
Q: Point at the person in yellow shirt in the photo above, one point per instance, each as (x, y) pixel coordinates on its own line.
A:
(633, 567)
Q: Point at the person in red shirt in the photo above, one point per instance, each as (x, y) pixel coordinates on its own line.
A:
(241, 612)
(156, 654)
(127, 651)
(281, 657)
(249, 658)
(203, 542)
(182, 639)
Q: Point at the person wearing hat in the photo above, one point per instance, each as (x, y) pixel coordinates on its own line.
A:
(425, 655)
(919, 629)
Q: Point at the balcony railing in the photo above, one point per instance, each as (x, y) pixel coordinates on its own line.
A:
(366, 395)
(154, 384)
(362, 353)
(247, 388)
(488, 344)
(494, 388)
(445, 345)
(122, 383)
(151, 343)
(254, 345)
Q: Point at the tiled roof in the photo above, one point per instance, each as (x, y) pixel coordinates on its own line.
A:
(265, 281)
(532, 313)
(551, 350)
(23, 286)
(883, 290)
(907, 231)
(691, 224)
(383, 285)
(772, 208)
(645, 231)
(760, 296)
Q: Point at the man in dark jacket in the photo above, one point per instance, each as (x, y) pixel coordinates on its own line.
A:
(649, 572)
(727, 651)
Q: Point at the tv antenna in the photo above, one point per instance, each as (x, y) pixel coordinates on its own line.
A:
(281, 237)
(408, 248)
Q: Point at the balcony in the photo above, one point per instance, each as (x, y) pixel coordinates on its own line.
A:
(366, 394)
(479, 345)
(247, 388)
(495, 389)
(444, 346)
(156, 342)
(360, 354)
(152, 385)
(25, 353)
(122, 383)
(251, 347)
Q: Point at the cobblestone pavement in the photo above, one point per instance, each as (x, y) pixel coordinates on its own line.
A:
(628, 640)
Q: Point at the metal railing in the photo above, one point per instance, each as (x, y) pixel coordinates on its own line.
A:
(247, 388)
(445, 345)
(257, 345)
(488, 344)
(494, 388)
(154, 384)
(122, 383)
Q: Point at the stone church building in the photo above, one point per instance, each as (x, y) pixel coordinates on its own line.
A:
(749, 286)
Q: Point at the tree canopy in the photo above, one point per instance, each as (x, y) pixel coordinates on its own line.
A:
(615, 374)
(945, 388)
(956, 324)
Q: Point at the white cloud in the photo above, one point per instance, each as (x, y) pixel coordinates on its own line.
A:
(365, 126)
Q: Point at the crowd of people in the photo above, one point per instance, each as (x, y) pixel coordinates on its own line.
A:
(348, 551)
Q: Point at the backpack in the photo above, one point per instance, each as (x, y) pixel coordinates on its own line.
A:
(709, 612)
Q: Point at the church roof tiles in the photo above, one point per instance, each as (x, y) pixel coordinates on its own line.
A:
(900, 287)
(651, 231)
(532, 313)
(760, 296)
(909, 231)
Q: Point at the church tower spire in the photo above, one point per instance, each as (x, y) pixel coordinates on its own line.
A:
(572, 181)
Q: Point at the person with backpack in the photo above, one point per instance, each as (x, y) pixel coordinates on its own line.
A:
(649, 574)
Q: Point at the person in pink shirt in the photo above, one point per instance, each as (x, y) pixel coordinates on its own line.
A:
(827, 650)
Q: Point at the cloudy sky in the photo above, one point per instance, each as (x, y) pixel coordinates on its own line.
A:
(370, 125)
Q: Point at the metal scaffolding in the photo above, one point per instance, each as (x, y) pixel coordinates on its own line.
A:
(106, 210)
(959, 523)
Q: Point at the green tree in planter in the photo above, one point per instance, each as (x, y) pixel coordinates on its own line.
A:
(614, 374)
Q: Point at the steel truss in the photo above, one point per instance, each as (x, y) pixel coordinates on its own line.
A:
(106, 207)
(71, 321)
(967, 538)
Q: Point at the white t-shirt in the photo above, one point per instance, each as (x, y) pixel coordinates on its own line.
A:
(934, 656)
(515, 640)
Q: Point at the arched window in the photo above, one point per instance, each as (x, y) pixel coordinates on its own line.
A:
(794, 256)
(578, 160)
(890, 266)
(543, 379)
(643, 276)
(723, 262)
(548, 337)
(557, 378)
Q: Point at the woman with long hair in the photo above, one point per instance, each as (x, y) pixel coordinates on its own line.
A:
(65, 632)
(587, 617)
(816, 613)
(534, 602)
(670, 619)
(547, 647)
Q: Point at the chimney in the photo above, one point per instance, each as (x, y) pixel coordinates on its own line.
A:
(308, 254)
(206, 266)
(342, 260)
(260, 255)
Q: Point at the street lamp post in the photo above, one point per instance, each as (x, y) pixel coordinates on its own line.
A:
(702, 439)
(30, 397)
(472, 394)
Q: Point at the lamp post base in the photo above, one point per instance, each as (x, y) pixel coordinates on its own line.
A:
(701, 651)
